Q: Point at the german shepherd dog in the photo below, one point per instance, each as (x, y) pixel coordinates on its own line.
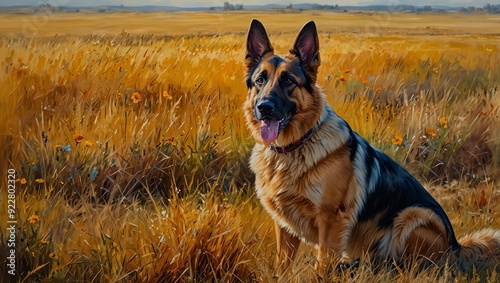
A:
(324, 184)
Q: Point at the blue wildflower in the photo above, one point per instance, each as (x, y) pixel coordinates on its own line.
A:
(93, 174)
(66, 148)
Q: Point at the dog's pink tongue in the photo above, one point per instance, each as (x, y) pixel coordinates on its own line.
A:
(269, 130)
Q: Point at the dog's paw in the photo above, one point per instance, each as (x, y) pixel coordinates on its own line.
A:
(343, 264)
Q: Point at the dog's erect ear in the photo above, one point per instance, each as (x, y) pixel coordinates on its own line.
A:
(258, 44)
(306, 47)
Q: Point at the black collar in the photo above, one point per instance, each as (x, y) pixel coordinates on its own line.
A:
(291, 147)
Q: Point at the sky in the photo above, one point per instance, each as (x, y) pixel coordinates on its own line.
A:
(208, 3)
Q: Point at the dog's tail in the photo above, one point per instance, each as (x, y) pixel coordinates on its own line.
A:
(481, 247)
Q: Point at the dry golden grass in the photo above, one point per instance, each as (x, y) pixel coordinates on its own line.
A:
(129, 143)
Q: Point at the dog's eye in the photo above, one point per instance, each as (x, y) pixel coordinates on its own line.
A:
(289, 81)
(259, 81)
(286, 79)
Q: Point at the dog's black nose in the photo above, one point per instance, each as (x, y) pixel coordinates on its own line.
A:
(266, 108)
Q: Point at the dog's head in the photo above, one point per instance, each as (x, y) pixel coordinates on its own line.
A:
(283, 101)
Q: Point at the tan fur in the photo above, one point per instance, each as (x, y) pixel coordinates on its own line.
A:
(362, 238)
(418, 231)
(482, 246)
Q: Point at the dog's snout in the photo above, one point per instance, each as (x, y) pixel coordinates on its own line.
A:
(266, 108)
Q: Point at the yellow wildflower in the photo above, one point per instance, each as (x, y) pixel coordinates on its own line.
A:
(33, 219)
(397, 140)
(88, 144)
(23, 181)
(171, 141)
(431, 132)
(78, 138)
(136, 97)
(444, 122)
(40, 181)
(167, 95)
(343, 78)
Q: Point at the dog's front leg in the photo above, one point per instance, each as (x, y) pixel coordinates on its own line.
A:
(287, 245)
(330, 227)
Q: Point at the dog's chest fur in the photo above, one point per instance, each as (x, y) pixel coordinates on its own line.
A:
(291, 204)
(292, 186)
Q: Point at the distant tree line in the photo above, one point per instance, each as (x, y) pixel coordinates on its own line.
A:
(232, 7)
(488, 8)
(324, 7)
(492, 8)
(47, 8)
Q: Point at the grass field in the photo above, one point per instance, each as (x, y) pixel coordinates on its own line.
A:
(130, 147)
